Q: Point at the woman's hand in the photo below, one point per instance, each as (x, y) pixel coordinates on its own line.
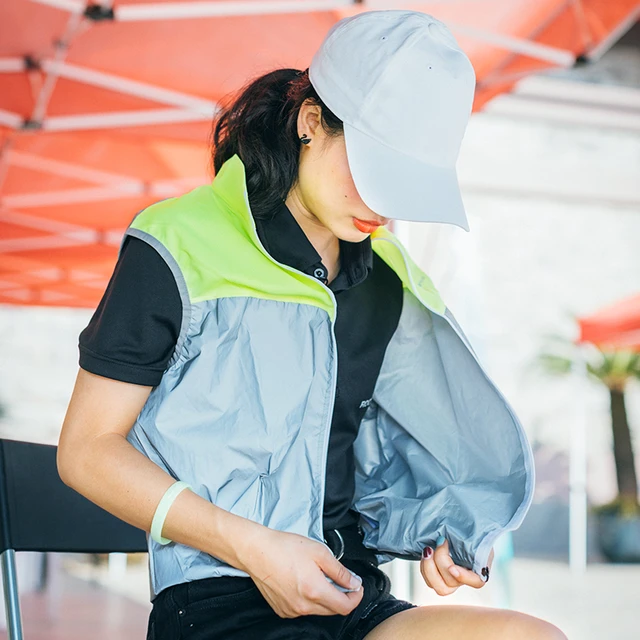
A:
(442, 575)
(290, 571)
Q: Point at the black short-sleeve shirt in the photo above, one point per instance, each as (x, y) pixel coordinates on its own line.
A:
(132, 334)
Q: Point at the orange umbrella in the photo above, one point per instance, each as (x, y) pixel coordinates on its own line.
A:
(106, 108)
(617, 326)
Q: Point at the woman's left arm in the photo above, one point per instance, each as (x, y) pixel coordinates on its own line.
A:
(443, 575)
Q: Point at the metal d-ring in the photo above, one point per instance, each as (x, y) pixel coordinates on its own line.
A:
(341, 544)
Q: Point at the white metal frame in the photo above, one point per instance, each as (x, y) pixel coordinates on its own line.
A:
(135, 88)
(11, 65)
(615, 35)
(190, 10)
(11, 595)
(119, 119)
(559, 57)
(9, 119)
(65, 169)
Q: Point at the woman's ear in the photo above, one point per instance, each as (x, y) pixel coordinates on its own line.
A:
(309, 119)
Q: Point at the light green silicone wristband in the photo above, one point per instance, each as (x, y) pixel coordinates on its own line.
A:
(163, 508)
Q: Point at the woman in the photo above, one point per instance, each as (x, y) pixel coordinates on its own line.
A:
(277, 393)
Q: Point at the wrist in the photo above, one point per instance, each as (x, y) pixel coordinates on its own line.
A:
(238, 540)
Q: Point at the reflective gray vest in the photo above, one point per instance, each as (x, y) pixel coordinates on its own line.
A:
(244, 408)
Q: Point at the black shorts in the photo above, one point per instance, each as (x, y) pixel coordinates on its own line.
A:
(233, 608)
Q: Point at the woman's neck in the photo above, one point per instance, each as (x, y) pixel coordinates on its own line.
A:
(322, 239)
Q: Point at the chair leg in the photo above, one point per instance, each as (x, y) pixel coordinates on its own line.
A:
(43, 577)
(11, 597)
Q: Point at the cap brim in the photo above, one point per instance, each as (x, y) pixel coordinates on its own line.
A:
(400, 187)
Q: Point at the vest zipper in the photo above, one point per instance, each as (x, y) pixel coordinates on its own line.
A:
(484, 549)
(334, 373)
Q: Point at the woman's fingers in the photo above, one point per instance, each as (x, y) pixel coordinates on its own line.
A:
(432, 575)
(463, 575)
(468, 577)
(443, 575)
(443, 562)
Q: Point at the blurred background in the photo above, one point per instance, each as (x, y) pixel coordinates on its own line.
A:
(106, 108)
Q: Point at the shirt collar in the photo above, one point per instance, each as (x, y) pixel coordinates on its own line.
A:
(286, 242)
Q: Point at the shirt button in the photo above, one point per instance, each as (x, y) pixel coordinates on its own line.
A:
(319, 273)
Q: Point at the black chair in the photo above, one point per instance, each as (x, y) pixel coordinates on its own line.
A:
(38, 512)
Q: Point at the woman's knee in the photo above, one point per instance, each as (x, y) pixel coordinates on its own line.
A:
(523, 626)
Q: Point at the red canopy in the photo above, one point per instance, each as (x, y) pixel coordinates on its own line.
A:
(105, 109)
(617, 326)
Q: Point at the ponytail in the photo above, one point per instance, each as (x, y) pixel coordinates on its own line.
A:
(260, 125)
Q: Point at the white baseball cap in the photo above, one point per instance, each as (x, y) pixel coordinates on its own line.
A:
(404, 90)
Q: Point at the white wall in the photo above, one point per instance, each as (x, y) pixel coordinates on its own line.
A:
(37, 369)
(554, 213)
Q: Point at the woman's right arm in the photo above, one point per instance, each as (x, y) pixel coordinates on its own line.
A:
(96, 459)
(123, 353)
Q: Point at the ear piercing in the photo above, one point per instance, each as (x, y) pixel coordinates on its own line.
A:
(304, 139)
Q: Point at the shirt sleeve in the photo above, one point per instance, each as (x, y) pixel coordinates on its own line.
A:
(133, 332)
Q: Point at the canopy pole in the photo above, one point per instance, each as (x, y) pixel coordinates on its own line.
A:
(135, 88)
(12, 65)
(561, 57)
(578, 482)
(119, 119)
(178, 10)
(66, 169)
(599, 50)
(9, 119)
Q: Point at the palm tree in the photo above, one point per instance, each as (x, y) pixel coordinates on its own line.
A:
(614, 369)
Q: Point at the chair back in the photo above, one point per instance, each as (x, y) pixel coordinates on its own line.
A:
(38, 512)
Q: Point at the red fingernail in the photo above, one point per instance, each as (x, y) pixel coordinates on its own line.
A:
(427, 552)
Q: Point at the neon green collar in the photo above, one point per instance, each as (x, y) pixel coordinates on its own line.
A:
(230, 185)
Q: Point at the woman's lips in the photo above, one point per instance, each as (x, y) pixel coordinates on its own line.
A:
(366, 226)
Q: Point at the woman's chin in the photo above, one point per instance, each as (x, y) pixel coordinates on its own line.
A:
(354, 236)
(349, 232)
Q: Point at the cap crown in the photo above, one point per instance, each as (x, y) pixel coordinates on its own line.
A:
(399, 77)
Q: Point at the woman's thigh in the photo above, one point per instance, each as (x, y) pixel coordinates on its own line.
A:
(444, 622)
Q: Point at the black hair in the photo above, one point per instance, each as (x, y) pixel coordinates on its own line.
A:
(260, 125)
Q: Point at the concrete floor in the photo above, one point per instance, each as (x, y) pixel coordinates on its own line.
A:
(74, 609)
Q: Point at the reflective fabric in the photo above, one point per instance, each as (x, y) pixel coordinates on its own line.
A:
(243, 412)
(243, 417)
(439, 451)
